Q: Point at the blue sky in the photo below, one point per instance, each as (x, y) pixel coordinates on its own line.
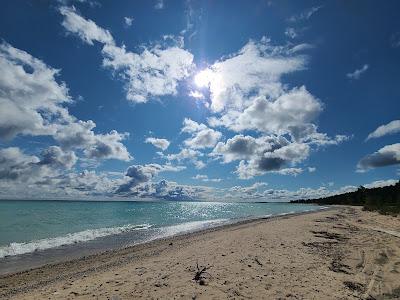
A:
(198, 100)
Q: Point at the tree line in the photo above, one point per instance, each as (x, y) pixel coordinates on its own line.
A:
(385, 200)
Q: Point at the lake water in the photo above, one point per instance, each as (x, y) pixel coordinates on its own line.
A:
(38, 232)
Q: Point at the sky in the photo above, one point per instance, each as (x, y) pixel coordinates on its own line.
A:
(198, 100)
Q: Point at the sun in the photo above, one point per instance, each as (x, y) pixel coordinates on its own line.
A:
(203, 78)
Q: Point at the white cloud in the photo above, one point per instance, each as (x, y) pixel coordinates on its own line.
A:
(289, 112)
(261, 155)
(30, 95)
(87, 30)
(139, 174)
(138, 182)
(128, 21)
(168, 190)
(45, 177)
(390, 128)
(386, 156)
(291, 32)
(380, 183)
(290, 171)
(196, 95)
(251, 190)
(358, 72)
(311, 169)
(15, 165)
(32, 103)
(190, 155)
(55, 156)
(18, 168)
(154, 72)
(247, 94)
(255, 70)
(239, 147)
(201, 136)
(259, 192)
(162, 144)
(159, 4)
(275, 161)
(305, 15)
(206, 179)
(80, 135)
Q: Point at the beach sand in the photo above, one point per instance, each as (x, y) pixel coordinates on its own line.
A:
(341, 253)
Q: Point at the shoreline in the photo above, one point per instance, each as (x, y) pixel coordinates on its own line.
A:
(66, 253)
(280, 247)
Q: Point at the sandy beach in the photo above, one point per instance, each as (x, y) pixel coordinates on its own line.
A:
(341, 253)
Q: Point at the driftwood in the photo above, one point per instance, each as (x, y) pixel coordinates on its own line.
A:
(201, 273)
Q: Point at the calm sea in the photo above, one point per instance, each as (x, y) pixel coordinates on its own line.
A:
(37, 232)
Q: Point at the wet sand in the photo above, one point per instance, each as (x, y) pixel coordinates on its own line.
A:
(342, 253)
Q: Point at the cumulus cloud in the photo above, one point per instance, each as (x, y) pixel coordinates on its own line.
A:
(32, 102)
(80, 135)
(274, 161)
(289, 112)
(168, 190)
(255, 70)
(238, 147)
(189, 155)
(45, 177)
(55, 156)
(162, 144)
(154, 72)
(201, 135)
(390, 128)
(139, 174)
(15, 165)
(259, 192)
(30, 96)
(49, 176)
(19, 167)
(247, 94)
(261, 155)
(386, 156)
(358, 72)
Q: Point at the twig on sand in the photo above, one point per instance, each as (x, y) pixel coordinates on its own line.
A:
(200, 274)
(258, 262)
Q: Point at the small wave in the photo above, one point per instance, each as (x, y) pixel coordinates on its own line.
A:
(191, 226)
(68, 239)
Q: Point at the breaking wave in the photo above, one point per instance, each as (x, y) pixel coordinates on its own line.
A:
(67, 239)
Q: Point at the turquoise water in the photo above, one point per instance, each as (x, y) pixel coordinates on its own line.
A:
(31, 226)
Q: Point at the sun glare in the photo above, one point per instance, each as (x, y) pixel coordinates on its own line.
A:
(203, 78)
